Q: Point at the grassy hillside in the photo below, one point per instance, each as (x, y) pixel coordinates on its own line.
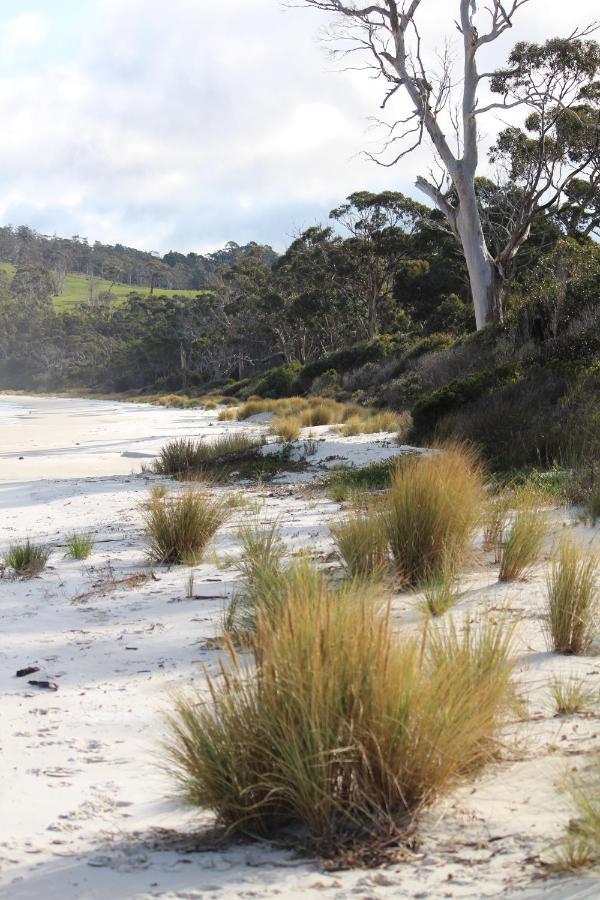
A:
(76, 289)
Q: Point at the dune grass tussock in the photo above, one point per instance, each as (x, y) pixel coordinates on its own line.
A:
(27, 559)
(439, 593)
(571, 696)
(341, 729)
(179, 528)
(287, 428)
(573, 599)
(263, 579)
(495, 522)
(185, 456)
(362, 542)
(227, 415)
(79, 546)
(371, 423)
(434, 506)
(580, 846)
(523, 538)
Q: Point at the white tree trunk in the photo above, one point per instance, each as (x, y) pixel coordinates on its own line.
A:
(480, 265)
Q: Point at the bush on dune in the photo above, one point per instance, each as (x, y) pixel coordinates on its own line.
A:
(341, 729)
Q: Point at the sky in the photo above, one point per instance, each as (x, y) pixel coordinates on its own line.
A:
(184, 124)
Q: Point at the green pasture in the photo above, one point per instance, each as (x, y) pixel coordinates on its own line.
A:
(76, 289)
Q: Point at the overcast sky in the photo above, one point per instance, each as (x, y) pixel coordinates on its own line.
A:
(182, 124)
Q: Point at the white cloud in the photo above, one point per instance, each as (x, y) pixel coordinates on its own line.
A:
(177, 125)
(21, 33)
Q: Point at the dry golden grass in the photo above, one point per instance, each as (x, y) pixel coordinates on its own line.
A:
(179, 528)
(581, 844)
(439, 593)
(287, 428)
(362, 541)
(435, 504)
(185, 456)
(371, 423)
(496, 519)
(524, 537)
(571, 696)
(228, 415)
(573, 599)
(341, 729)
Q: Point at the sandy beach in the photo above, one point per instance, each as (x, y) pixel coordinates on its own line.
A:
(86, 812)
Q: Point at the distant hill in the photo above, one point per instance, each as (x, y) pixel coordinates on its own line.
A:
(75, 262)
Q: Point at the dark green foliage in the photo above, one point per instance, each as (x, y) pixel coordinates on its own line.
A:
(428, 411)
(280, 382)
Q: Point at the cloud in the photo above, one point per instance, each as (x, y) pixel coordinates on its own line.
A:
(21, 33)
(170, 125)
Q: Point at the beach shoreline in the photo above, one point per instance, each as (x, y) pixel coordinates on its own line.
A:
(86, 812)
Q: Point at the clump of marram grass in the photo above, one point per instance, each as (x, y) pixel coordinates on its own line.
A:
(580, 846)
(434, 507)
(287, 428)
(440, 592)
(27, 559)
(573, 599)
(179, 528)
(523, 538)
(495, 522)
(158, 491)
(342, 730)
(262, 581)
(227, 415)
(362, 541)
(571, 696)
(185, 456)
(79, 546)
(371, 423)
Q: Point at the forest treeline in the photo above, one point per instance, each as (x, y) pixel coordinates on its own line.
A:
(373, 305)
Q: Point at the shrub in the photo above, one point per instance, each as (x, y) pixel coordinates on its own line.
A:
(573, 599)
(430, 409)
(362, 541)
(434, 506)
(524, 538)
(79, 546)
(178, 529)
(280, 382)
(185, 456)
(27, 559)
(341, 729)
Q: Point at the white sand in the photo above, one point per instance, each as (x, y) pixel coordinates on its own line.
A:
(78, 786)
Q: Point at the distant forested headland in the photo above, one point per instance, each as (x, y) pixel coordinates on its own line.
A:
(374, 305)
